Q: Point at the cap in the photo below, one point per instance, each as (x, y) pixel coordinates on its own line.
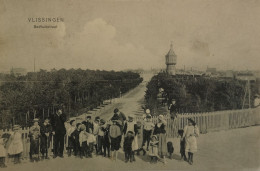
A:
(116, 110)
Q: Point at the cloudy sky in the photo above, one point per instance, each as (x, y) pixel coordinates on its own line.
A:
(120, 34)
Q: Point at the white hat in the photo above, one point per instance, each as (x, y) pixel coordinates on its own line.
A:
(147, 111)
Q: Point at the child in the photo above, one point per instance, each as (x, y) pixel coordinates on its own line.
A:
(91, 141)
(95, 132)
(75, 136)
(115, 138)
(71, 142)
(83, 141)
(140, 138)
(106, 140)
(170, 149)
(128, 141)
(16, 146)
(153, 149)
(100, 136)
(2, 150)
(34, 134)
(45, 138)
(190, 133)
(182, 145)
(147, 131)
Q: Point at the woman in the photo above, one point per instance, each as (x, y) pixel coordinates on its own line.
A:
(160, 131)
(190, 132)
(34, 134)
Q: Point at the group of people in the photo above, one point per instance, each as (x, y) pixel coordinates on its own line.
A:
(100, 137)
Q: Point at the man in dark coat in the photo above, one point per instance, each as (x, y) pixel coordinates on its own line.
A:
(59, 132)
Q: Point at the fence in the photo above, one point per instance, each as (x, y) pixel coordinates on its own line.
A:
(212, 121)
(207, 122)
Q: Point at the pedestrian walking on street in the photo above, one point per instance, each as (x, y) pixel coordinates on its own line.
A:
(15, 148)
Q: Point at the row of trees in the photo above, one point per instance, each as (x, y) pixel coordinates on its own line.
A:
(38, 94)
(201, 94)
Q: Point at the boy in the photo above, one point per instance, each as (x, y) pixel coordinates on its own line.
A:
(106, 140)
(75, 136)
(128, 141)
(83, 141)
(100, 135)
(115, 137)
(91, 140)
(147, 131)
(95, 132)
(34, 134)
(182, 145)
(45, 130)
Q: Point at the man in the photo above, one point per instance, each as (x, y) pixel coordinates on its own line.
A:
(173, 109)
(121, 117)
(59, 132)
(173, 114)
(88, 124)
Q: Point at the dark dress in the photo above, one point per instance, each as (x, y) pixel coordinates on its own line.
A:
(161, 135)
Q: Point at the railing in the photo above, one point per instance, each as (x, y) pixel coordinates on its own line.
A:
(207, 122)
(212, 121)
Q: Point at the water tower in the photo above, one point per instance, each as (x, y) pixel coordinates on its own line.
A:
(170, 62)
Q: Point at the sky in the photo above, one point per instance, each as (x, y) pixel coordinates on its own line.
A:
(124, 34)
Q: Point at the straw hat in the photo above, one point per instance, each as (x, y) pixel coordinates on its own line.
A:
(155, 137)
(147, 111)
(16, 127)
(160, 117)
(35, 120)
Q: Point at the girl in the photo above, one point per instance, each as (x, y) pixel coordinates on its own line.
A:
(34, 134)
(2, 150)
(115, 138)
(130, 125)
(140, 138)
(153, 149)
(71, 142)
(160, 132)
(190, 132)
(16, 146)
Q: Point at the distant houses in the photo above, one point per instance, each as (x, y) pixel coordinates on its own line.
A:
(18, 71)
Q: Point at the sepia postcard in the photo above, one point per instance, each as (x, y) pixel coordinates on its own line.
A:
(129, 85)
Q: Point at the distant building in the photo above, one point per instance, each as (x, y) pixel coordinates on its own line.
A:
(18, 71)
(245, 76)
(170, 61)
(211, 70)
